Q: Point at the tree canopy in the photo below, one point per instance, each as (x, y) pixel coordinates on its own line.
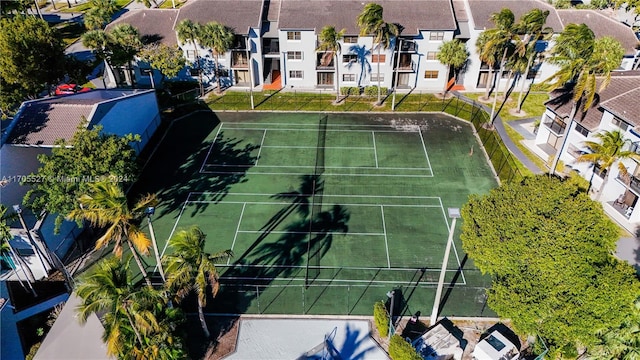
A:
(166, 59)
(65, 174)
(550, 259)
(30, 55)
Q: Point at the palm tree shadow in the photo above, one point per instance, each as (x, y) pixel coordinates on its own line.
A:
(362, 55)
(354, 346)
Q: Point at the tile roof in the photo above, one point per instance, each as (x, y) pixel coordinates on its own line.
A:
(481, 11)
(625, 106)
(413, 15)
(602, 25)
(43, 122)
(153, 24)
(239, 15)
(621, 83)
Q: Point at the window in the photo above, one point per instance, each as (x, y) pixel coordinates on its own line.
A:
(293, 35)
(241, 76)
(325, 79)
(582, 130)
(350, 39)
(432, 55)
(349, 58)
(374, 77)
(295, 74)
(294, 55)
(620, 123)
(378, 58)
(349, 77)
(436, 35)
(431, 74)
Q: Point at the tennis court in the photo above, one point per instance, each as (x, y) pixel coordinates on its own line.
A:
(325, 213)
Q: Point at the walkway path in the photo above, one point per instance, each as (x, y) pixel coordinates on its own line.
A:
(502, 132)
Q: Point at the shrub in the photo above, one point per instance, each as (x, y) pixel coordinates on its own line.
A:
(381, 317)
(33, 351)
(399, 349)
(373, 90)
(350, 90)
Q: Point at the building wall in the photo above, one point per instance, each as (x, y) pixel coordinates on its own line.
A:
(134, 114)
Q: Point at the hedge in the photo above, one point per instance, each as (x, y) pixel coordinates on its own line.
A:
(381, 317)
(399, 349)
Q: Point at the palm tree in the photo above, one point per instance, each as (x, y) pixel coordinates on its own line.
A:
(190, 268)
(371, 22)
(109, 290)
(106, 206)
(532, 25)
(608, 151)
(125, 45)
(8, 250)
(581, 59)
(188, 31)
(219, 38)
(330, 42)
(454, 55)
(622, 343)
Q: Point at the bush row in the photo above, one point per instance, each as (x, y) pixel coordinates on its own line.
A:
(367, 90)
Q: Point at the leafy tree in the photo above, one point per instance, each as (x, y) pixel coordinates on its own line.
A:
(550, 259)
(169, 60)
(190, 268)
(66, 174)
(400, 349)
(620, 343)
(30, 55)
(105, 205)
(137, 322)
(454, 54)
(219, 38)
(188, 31)
(608, 150)
(329, 40)
(371, 22)
(629, 5)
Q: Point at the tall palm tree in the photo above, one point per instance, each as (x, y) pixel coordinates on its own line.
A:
(125, 44)
(454, 55)
(190, 268)
(608, 151)
(488, 56)
(106, 206)
(581, 58)
(188, 31)
(8, 250)
(532, 24)
(109, 290)
(371, 22)
(330, 42)
(219, 38)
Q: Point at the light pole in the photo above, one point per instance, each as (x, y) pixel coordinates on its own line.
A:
(454, 213)
(391, 295)
(150, 211)
(46, 264)
(250, 63)
(395, 85)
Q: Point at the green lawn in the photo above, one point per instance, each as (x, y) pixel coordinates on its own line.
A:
(70, 31)
(532, 107)
(86, 6)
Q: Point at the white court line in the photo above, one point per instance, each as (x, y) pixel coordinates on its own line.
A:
(288, 203)
(313, 125)
(312, 166)
(324, 195)
(204, 163)
(425, 150)
(323, 174)
(329, 130)
(235, 236)
(319, 147)
(304, 232)
(386, 242)
(349, 281)
(184, 206)
(260, 148)
(375, 150)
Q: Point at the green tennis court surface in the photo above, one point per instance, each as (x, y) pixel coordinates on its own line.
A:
(325, 213)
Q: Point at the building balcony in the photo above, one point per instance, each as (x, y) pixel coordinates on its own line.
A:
(405, 66)
(324, 61)
(239, 60)
(408, 46)
(555, 127)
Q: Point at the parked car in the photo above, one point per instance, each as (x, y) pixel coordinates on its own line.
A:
(66, 89)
